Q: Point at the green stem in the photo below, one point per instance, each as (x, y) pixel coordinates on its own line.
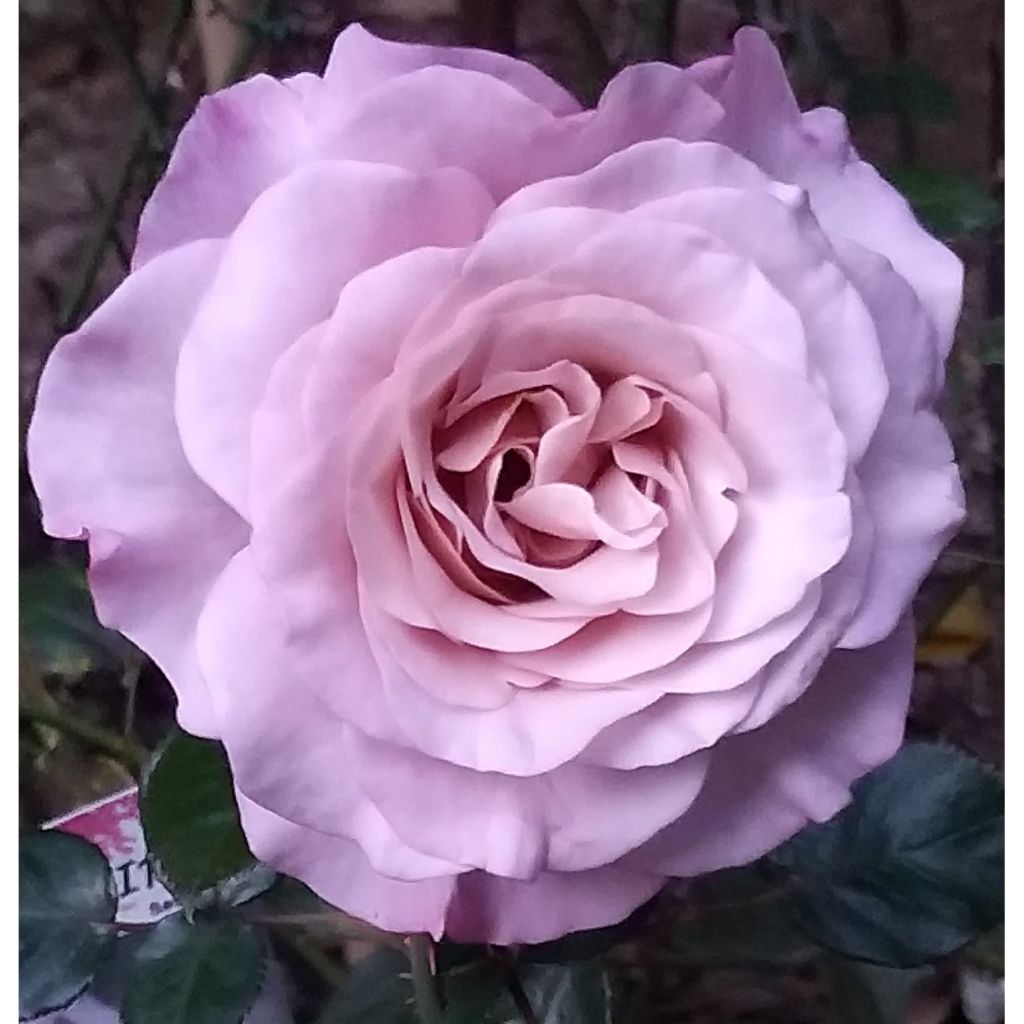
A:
(331, 973)
(151, 100)
(78, 295)
(338, 923)
(420, 951)
(130, 754)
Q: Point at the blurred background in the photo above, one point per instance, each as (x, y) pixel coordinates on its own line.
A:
(106, 84)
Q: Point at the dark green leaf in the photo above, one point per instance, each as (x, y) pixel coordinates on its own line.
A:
(905, 88)
(913, 868)
(739, 918)
(59, 625)
(950, 205)
(993, 342)
(67, 902)
(201, 973)
(870, 993)
(988, 953)
(377, 990)
(472, 994)
(578, 993)
(192, 827)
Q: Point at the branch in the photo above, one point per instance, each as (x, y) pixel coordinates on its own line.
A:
(131, 755)
(420, 950)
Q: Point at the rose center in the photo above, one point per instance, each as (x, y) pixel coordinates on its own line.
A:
(514, 473)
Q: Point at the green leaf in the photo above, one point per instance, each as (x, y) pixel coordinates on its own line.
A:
(739, 918)
(912, 869)
(201, 973)
(578, 993)
(870, 993)
(58, 622)
(65, 919)
(473, 994)
(906, 88)
(987, 952)
(192, 826)
(377, 990)
(950, 205)
(993, 342)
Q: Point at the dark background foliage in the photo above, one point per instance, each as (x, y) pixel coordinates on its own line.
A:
(105, 84)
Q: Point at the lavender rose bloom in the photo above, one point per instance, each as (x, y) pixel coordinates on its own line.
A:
(529, 498)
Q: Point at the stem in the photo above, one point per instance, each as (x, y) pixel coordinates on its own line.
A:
(78, 295)
(130, 754)
(130, 682)
(74, 303)
(331, 973)
(420, 950)
(339, 923)
(151, 102)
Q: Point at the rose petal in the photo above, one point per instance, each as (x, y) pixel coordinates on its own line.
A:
(106, 463)
(786, 245)
(517, 826)
(618, 647)
(765, 785)
(338, 871)
(360, 62)
(237, 144)
(674, 726)
(915, 498)
(253, 682)
(849, 197)
(507, 910)
(567, 510)
(281, 274)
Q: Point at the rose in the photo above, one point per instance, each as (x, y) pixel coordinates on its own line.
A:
(528, 498)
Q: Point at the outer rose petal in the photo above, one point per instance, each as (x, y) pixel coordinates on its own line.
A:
(849, 197)
(254, 682)
(336, 869)
(506, 910)
(914, 495)
(516, 827)
(106, 463)
(765, 785)
(360, 62)
(238, 143)
(440, 116)
(470, 908)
